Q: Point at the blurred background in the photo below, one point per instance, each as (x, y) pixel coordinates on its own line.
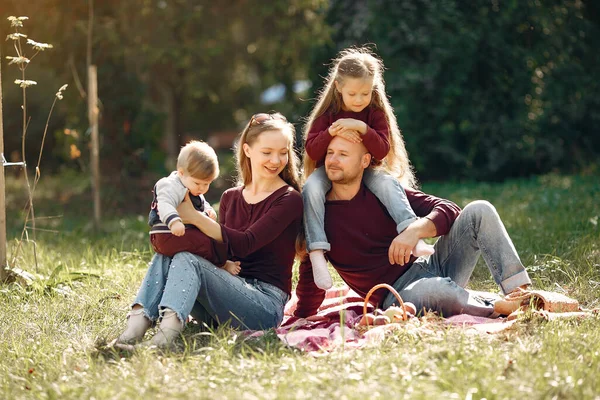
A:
(484, 90)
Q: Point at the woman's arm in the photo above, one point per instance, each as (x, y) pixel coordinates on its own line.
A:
(189, 215)
(284, 211)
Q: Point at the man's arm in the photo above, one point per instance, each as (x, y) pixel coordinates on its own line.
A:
(405, 242)
(437, 214)
(440, 211)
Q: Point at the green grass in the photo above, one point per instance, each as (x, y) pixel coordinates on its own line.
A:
(52, 332)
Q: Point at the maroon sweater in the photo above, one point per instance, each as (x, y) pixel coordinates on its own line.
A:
(262, 236)
(360, 232)
(376, 140)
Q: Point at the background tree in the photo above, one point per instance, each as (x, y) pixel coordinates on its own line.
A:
(484, 89)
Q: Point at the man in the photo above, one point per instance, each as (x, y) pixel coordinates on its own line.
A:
(365, 249)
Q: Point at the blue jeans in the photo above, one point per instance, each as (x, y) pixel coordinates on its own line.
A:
(188, 281)
(437, 282)
(384, 186)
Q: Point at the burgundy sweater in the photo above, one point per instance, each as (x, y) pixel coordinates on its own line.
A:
(360, 232)
(376, 140)
(262, 236)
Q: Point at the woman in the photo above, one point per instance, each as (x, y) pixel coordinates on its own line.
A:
(260, 220)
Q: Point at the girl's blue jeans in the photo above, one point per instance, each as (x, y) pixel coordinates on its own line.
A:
(385, 187)
(437, 282)
(189, 284)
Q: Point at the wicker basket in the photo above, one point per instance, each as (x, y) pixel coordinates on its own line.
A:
(394, 292)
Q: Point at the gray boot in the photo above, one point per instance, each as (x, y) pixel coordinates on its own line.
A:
(170, 328)
(137, 325)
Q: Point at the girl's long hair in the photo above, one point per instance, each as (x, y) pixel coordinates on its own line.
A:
(362, 63)
(251, 132)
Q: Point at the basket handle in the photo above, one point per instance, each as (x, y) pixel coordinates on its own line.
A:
(394, 292)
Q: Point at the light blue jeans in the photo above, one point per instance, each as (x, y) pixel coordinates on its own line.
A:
(384, 186)
(188, 282)
(437, 282)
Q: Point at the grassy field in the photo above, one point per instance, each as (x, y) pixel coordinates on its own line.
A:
(52, 331)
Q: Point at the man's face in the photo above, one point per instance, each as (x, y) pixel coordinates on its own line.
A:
(345, 161)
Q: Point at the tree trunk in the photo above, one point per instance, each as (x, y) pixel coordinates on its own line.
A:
(2, 194)
(95, 155)
(171, 136)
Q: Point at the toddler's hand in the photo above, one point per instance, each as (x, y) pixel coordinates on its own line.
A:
(211, 214)
(233, 267)
(177, 228)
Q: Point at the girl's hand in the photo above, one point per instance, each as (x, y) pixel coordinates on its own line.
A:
(349, 123)
(350, 135)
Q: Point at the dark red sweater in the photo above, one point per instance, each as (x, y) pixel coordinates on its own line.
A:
(262, 236)
(360, 232)
(376, 140)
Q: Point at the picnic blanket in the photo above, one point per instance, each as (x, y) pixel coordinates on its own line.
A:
(336, 323)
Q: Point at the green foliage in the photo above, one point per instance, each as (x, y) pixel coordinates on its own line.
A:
(170, 71)
(484, 89)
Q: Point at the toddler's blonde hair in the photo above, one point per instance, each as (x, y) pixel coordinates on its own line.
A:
(198, 160)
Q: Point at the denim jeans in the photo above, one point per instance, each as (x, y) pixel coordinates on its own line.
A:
(188, 281)
(384, 186)
(437, 282)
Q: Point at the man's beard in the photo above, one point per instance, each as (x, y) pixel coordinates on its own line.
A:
(343, 179)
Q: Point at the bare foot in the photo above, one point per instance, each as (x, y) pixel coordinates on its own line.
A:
(233, 267)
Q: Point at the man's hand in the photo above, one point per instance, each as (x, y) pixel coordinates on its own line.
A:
(404, 243)
(177, 228)
(401, 247)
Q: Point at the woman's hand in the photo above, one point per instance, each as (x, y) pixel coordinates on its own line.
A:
(190, 215)
(187, 212)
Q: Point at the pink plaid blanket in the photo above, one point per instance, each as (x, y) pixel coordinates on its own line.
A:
(334, 325)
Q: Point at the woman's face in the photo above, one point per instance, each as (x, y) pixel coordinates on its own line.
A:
(269, 154)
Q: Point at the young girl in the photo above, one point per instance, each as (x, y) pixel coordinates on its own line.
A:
(353, 105)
